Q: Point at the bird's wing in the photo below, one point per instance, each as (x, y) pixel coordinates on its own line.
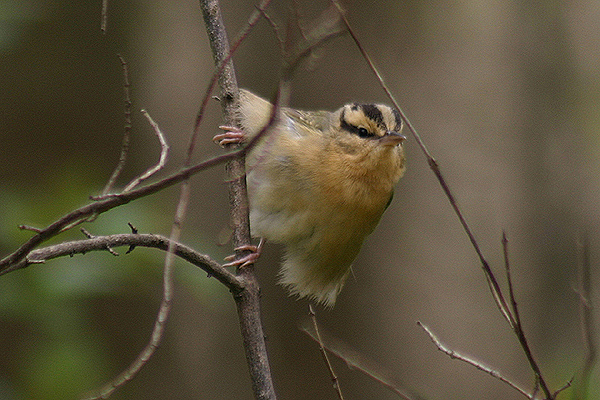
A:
(305, 123)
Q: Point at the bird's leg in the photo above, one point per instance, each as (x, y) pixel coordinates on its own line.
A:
(232, 135)
(248, 259)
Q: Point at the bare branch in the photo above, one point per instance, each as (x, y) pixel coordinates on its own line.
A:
(493, 283)
(334, 378)
(514, 312)
(103, 204)
(490, 277)
(455, 355)
(104, 16)
(357, 362)
(517, 326)
(247, 301)
(128, 124)
(99, 243)
(164, 152)
(586, 316)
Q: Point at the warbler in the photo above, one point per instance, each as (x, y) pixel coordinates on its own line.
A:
(318, 183)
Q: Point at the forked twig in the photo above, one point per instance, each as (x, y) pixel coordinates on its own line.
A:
(164, 152)
(128, 125)
(518, 327)
(455, 355)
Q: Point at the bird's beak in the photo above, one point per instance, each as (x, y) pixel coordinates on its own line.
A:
(392, 138)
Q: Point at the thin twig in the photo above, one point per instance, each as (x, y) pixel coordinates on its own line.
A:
(275, 27)
(493, 283)
(160, 323)
(564, 387)
(518, 326)
(164, 311)
(511, 294)
(90, 236)
(357, 362)
(455, 355)
(164, 152)
(334, 379)
(127, 129)
(586, 316)
(490, 277)
(104, 16)
(221, 65)
(30, 228)
(165, 306)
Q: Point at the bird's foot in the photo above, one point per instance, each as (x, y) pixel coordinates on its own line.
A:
(248, 259)
(232, 135)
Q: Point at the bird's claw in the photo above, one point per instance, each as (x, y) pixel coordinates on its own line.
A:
(248, 259)
(232, 135)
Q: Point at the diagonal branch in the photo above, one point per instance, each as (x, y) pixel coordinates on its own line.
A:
(587, 318)
(493, 284)
(106, 203)
(477, 364)
(356, 361)
(518, 327)
(334, 379)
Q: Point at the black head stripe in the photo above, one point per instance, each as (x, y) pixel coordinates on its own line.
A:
(373, 113)
(359, 131)
(398, 118)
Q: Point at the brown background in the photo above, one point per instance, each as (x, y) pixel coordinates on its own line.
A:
(505, 95)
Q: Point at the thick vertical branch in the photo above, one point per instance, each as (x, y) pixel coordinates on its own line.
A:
(248, 300)
(229, 97)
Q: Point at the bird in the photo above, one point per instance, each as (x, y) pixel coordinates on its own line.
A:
(318, 183)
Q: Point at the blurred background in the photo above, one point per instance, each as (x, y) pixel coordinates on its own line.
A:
(506, 96)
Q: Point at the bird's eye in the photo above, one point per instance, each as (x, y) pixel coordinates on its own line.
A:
(363, 132)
